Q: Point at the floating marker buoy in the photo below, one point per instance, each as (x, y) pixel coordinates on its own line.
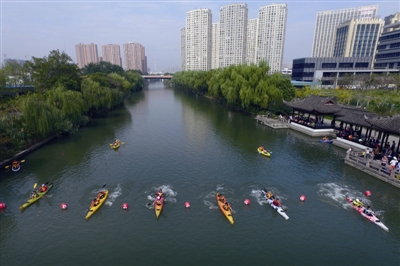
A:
(187, 204)
(247, 201)
(64, 206)
(2, 205)
(303, 198)
(125, 206)
(367, 193)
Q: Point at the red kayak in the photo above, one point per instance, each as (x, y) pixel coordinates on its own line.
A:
(371, 217)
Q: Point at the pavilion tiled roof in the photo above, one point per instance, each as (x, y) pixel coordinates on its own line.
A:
(315, 104)
(354, 115)
(389, 124)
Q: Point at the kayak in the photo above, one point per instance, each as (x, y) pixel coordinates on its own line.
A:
(158, 206)
(16, 169)
(278, 209)
(221, 202)
(264, 152)
(93, 208)
(31, 200)
(371, 217)
(115, 146)
(325, 141)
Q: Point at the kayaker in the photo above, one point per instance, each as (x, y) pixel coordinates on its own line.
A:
(43, 188)
(101, 194)
(96, 202)
(15, 164)
(261, 148)
(357, 203)
(226, 206)
(221, 198)
(368, 211)
(277, 203)
(158, 202)
(116, 142)
(34, 194)
(325, 138)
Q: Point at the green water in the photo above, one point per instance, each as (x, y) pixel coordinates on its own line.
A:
(193, 148)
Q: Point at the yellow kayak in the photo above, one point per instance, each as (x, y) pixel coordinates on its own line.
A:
(100, 199)
(227, 212)
(115, 146)
(158, 206)
(264, 152)
(39, 195)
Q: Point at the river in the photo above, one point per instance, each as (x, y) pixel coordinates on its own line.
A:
(192, 147)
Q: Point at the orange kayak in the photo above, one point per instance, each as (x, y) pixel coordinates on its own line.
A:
(225, 210)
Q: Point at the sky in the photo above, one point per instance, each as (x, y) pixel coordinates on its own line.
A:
(33, 28)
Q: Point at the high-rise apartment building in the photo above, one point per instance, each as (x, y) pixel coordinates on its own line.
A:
(251, 41)
(357, 38)
(326, 23)
(388, 50)
(111, 53)
(271, 35)
(86, 54)
(198, 39)
(135, 57)
(233, 33)
(183, 49)
(215, 46)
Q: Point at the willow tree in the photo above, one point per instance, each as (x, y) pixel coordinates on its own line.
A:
(70, 103)
(98, 97)
(39, 118)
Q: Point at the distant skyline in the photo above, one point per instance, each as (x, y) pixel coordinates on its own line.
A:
(34, 28)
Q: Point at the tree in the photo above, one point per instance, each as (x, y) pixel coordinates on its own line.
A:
(56, 69)
(102, 67)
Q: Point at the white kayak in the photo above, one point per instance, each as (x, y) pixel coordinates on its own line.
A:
(276, 208)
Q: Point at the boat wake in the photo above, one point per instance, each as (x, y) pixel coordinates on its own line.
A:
(115, 194)
(210, 205)
(335, 194)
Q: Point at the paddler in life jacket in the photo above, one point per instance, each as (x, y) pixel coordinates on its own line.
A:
(226, 206)
(160, 193)
(368, 211)
(277, 203)
(325, 138)
(43, 188)
(116, 142)
(15, 164)
(221, 198)
(261, 148)
(357, 203)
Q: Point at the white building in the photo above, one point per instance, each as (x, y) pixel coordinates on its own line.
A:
(252, 32)
(215, 46)
(198, 39)
(233, 33)
(326, 23)
(111, 53)
(271, 35)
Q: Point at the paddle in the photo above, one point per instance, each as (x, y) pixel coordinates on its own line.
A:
(95, 198)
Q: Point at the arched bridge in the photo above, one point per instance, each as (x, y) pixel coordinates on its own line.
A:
(157, 76)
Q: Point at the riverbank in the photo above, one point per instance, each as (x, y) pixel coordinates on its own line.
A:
(25, 152)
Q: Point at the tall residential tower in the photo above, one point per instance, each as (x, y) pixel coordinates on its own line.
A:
(271, 35)
(135, 57)
(233, 33)
(111, 53)
(326, 23)
(198, 39)
(86, 54)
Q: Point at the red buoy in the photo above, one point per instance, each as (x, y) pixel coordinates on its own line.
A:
(303, 198)
(247, 201)
(187, 204)
(2, 205)
(64, 206)
(125, 206)
(367, 193)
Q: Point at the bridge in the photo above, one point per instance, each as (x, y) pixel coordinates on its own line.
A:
(157, 76)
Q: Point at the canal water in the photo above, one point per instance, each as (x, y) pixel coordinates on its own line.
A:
(192, 148)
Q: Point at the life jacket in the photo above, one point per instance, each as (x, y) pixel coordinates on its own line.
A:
(158, 202)
(269, 195)
(226, 207)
